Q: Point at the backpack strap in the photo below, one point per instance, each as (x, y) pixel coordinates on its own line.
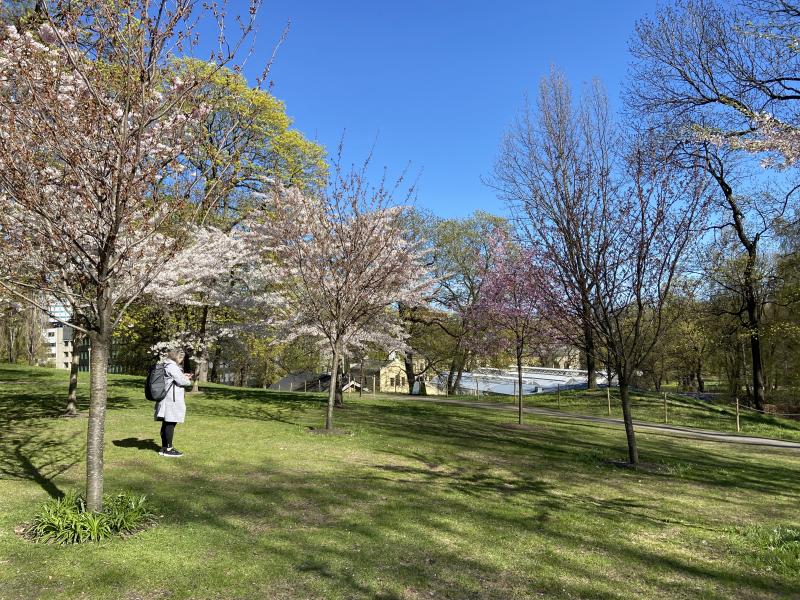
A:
(171, 385)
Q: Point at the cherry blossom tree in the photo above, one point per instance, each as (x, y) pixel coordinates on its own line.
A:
(94, 129)
(341, 261)
(212, 271)
(512, 305)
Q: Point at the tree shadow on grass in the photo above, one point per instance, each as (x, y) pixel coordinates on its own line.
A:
(31, 446)
(422, 515)
(255, 405)
(433, 535)
(706, 462)
(727, 466)
(38, 455)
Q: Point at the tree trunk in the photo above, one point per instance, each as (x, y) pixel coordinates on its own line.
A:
(589, 349)
(745, 382)
(202, 360)
(98, 373)
(451, 376)
(519, 383)
(459, 373)
(72, 395)
(633, 453)
(409, 366)
(758, 371)
(203, 376)
(332, 388)
(361, 380)
(754, 327)
(701, 384)
(214, 375)
(338, 400)
(750, 286)
(12, 345)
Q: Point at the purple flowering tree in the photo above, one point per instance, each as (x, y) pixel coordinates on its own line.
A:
(511, 310)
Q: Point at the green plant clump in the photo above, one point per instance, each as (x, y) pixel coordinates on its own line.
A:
(779, 547)
(65, 520)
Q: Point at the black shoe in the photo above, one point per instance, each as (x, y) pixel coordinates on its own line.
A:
(171, 452)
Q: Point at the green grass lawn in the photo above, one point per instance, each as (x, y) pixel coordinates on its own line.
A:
(681, 410)
(419, 501)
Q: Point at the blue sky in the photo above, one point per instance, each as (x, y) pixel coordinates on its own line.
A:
(435, 82)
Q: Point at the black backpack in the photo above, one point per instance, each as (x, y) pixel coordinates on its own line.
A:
(155, 386)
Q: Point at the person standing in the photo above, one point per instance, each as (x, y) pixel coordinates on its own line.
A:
(172, 409)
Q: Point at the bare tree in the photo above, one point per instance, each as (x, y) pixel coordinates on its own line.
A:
(708, 72)
(640, 240)
(554, 170)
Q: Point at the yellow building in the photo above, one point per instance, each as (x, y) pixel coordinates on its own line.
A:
(393, 377)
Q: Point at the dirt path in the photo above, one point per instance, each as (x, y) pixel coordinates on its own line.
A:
(673, 430)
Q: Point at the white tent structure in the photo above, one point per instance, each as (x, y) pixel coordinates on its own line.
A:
(535, 380)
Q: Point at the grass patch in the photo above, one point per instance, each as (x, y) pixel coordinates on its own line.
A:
(420, 501)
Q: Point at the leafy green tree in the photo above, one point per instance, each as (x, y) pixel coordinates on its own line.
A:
(248, 140)
(462, 253)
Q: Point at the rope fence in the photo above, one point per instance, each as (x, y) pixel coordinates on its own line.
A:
(765, 412)
(672, 406)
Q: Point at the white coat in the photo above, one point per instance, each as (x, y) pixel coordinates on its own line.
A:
(173, 407)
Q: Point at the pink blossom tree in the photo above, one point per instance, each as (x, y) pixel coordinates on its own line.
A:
(94, 130)
(341, 261)
(512, 306)
(213, 271)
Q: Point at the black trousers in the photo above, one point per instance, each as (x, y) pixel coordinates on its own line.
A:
(167, 431)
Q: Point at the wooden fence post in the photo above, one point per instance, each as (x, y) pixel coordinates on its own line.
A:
(608, 397)
(666, 416)
(305, 386)
(373, 385)
(477, 392)
(558, 395)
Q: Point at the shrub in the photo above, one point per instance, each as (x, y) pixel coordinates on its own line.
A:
(66, 521)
